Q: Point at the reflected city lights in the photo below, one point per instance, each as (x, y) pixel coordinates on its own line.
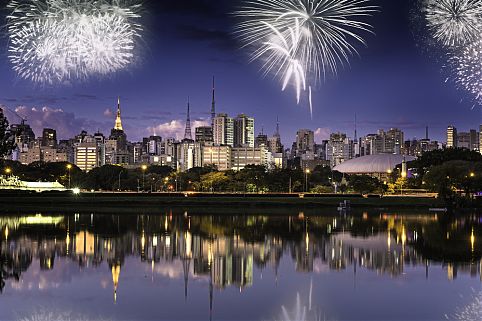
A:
(227, 252)
(472, 240)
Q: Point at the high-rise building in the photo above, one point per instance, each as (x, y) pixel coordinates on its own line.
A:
(393, 141)
(86, 156)
(204, 134)
(100, 141)
(339, 149)
(463, 140)
(474, 140)
(188, 155)
(24, 135)
(480, 139)
(223, 130)
(383, 142)
(451, 137)
(218, 156)
(118, 154)
(305, 141)
(261, 140)
(244, 131)
(244, 156)
(49, 138)
(152, 145)
(274, 143)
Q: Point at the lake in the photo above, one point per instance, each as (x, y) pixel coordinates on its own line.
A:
(191, 265)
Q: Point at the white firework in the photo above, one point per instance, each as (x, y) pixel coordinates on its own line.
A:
(58, 41)
(282, 55)
(471, 312)
(467, 67)
(454, 22)
(302, 40)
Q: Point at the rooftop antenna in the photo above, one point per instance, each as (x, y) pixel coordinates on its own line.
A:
(187, 132)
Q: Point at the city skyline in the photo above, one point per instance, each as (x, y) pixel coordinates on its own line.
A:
(394, 83)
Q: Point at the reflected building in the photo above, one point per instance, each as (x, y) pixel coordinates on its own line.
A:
(229, 250)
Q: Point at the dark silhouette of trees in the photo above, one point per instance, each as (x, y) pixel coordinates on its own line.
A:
(7, 138)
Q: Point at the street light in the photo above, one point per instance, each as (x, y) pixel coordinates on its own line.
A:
(144, 168)
(120, 180)
(69, 167)
(8, 170)
(472, 174)
(404, 175)
(307, 171)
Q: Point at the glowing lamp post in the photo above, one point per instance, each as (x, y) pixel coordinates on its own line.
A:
(307, 172)
(69, 167)
(404, 175)
(144, 168)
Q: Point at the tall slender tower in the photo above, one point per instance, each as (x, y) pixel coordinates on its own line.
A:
(213, 107)
(356, 134)
(187, 132)
(276, 134)
(118, 120)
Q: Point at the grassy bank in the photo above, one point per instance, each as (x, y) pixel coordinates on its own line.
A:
(152, 203)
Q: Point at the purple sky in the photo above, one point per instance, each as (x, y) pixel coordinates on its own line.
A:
(396, 81)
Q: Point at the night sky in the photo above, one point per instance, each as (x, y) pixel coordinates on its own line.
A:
(397, 81)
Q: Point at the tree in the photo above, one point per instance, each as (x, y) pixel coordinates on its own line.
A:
(7, 138)
(454, 176)
(441, 156)
(365, 184)
(105, 178)
(213, 181)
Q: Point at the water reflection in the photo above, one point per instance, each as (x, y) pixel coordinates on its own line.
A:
(225, 250)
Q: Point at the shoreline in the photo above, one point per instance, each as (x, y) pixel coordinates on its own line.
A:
(153, 203)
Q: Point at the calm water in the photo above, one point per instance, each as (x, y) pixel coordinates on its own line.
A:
(186, 266)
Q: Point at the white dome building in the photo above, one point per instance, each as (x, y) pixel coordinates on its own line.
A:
(374, 165)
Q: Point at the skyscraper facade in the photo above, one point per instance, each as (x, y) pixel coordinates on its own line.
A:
(49, 138)
(244, 131)
(204, 134)
(223, 130)
(305, 141)
(451, 137)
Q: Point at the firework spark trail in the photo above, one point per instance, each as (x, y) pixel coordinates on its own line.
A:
(468, 69)
(454, 22)
(302, 40)
(57, 41)
(282, 52)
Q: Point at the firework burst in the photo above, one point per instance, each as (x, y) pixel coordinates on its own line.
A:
(58, 41)
(302, 40)
(454, 22)
(468, 69)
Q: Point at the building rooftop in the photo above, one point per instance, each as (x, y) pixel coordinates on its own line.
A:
(370, 164)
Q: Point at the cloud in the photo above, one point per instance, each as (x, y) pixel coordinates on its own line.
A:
(66, 124)
(322, 133)
(175, 128)
(109, 113)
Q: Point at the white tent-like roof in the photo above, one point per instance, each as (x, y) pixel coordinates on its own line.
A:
(372, 164)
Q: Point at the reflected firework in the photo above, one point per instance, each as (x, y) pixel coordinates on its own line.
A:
(58, 41)
(472, 311)
(302, 40)
(45, 314)
(454, 22)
